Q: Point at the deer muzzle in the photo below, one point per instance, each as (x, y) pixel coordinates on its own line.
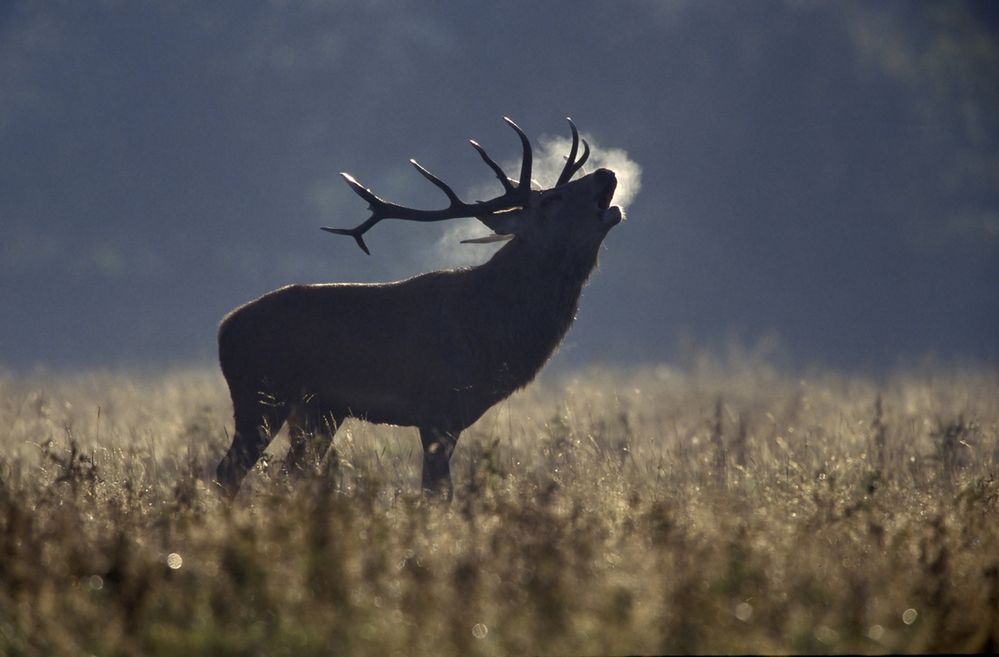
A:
(606, 185)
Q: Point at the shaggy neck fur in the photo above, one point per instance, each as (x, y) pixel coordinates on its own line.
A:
(527, 298)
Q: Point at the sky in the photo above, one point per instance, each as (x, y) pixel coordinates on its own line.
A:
(815, 181)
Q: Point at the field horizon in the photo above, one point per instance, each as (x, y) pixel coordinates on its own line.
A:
(721, 507)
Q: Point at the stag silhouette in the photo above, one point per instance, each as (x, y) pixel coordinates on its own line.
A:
(434, 351)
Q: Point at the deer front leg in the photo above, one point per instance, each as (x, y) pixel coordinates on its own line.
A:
(438, 445)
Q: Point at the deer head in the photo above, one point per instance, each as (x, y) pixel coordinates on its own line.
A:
(569, 213)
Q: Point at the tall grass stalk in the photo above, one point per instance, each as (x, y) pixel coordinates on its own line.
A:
(655, 510)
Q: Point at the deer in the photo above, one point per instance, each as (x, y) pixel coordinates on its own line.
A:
(434, 351)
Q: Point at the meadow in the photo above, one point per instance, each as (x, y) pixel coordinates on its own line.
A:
(714, 508)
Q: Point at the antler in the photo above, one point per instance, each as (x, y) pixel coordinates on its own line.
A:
(571, 165)
(513, 196)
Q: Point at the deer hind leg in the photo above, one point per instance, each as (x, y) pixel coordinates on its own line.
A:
(258, 418)
(438, 445)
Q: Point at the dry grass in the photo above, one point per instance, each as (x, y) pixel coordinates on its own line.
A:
(711, 510)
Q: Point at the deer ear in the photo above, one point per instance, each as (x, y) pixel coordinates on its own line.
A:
(489, 239)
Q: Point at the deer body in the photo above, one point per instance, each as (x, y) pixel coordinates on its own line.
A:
(434, 351)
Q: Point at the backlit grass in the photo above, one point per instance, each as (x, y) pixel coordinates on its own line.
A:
(715, 509)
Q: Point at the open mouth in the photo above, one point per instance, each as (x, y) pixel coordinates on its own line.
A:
(611, 216)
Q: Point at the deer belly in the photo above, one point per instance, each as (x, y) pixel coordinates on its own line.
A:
(381, 407)
(442, 406)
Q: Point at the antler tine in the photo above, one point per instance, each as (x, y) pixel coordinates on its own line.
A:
(571, 164)
(360, 189)
(356, 233)
(526, 162)
(375, 204)
(567, 170)
(443, 186)
(582, 160)
(492, 165)
(571, 171)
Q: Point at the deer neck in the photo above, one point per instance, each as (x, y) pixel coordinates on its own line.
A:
(528, 301)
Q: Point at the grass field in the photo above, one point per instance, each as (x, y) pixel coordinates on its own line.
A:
(713, 509)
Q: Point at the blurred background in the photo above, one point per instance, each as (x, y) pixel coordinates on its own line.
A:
(819, 181)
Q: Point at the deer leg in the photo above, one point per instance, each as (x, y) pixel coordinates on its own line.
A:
(438, 445)
(257, 421)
